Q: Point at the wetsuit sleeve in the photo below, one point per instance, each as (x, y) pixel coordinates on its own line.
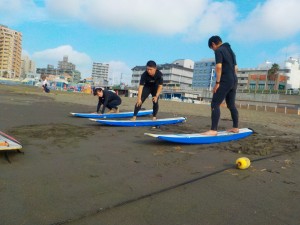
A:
(99, 104)
(161, 80)
(143, 79)
(218, 57)
(234, 58)
(106, 96)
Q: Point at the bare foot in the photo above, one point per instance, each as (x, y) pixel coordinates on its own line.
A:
(153, 118)
(210, 133)
(133, 118)
(233, 130)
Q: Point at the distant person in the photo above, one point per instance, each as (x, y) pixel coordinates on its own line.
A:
(108, 99)
(226, 84)
(45, 84)
(151, 82)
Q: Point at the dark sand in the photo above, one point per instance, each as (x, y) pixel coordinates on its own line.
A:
(75, 171)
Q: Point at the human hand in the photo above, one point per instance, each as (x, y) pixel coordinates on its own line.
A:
(154, 99)
(216, 87)
(139, 102)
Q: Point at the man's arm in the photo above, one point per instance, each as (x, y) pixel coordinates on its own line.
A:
(139, 98)
(218, 72)
(159, 89)
(218, 76)
(99, 104)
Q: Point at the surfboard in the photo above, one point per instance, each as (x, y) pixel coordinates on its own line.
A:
(8, 143)
(222, 136)
(139, 123)
(112, 115)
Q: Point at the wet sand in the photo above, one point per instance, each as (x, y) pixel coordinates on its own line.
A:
(77, 172)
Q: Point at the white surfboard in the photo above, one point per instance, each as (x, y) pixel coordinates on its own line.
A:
(8, 143)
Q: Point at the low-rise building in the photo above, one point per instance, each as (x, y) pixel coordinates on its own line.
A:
(178, 74)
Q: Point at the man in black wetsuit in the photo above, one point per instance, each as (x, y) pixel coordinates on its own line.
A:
(108, 99)
(151, 82)
(226, 84)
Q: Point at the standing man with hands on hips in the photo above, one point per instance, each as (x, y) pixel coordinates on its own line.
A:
(226, 84)
(151, 82)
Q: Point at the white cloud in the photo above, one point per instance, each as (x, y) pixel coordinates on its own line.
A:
(119, 72)
(272, 20)
(218, 16)
(82, 61)
(152, 16)
(292, 50)
(18, 11)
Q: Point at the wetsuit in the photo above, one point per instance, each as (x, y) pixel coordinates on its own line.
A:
(227, 88)
(110, 100)
(150, 87)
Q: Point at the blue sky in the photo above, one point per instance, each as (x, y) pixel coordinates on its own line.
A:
(126, 33)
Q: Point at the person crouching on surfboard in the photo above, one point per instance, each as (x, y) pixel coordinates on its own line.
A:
(151, 82)
(108, 99)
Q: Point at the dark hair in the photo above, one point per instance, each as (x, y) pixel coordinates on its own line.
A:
(151, 63)
(214, 39)
(96, 90)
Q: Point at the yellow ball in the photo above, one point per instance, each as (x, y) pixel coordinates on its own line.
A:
(242, 163)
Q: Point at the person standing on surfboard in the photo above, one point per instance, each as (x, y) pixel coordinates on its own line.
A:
(226, 84)
(108, 99)
(151, 82)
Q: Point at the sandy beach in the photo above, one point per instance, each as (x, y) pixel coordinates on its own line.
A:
(75, 171)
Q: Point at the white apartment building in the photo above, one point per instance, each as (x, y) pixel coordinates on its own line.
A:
(204, 74)
(100, 73)
(178, 74)
(293, 66)
(10, 52)
(28, 67)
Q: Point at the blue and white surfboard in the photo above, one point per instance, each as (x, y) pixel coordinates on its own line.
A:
(222, 136)
(139, 123)
(112, 115)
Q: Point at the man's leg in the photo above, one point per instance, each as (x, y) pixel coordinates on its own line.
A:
(113, 106)
(155, 104)
(230, 102)
(217, 100)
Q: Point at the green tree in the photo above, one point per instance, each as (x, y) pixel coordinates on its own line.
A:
(273, 76)
(274, 69)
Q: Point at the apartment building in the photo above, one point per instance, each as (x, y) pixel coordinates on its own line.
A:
(10, 52)
(28, 67)
(66, 65)
(204, 74)
(100, 73)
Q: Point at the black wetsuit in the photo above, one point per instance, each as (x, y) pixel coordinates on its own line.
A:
(150, 87)
(110, 100)
(227, 88)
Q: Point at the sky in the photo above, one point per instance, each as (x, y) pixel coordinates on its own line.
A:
(128, 33)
